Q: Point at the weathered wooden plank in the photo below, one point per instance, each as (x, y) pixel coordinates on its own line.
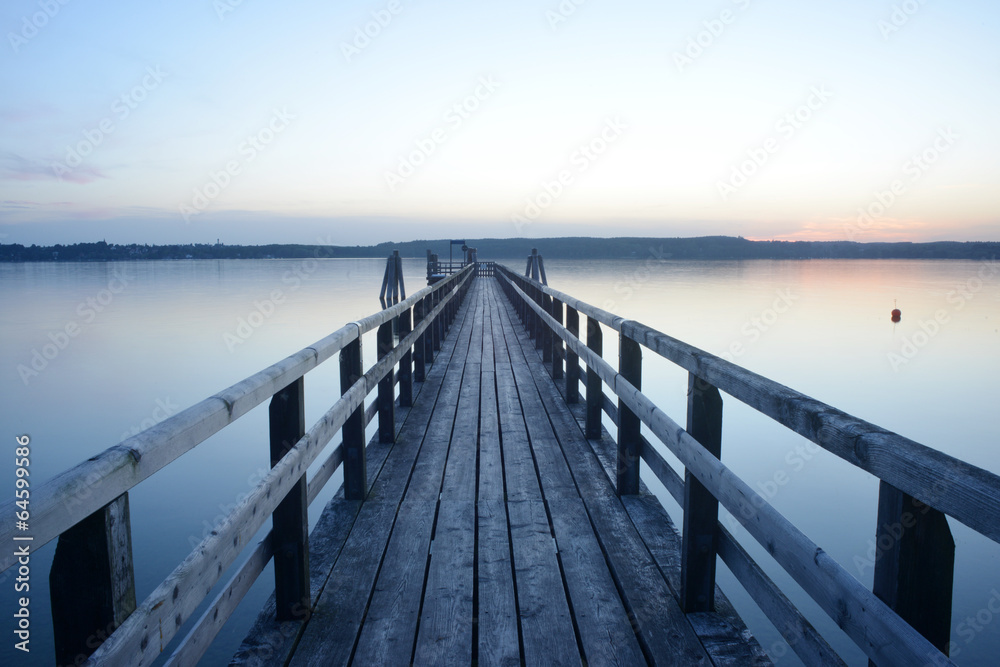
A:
(447, 618)
(604, 627)
(497, 620)
(546, 625)
(390, 622)
(519, 467)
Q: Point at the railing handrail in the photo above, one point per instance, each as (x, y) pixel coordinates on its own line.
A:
(71, 496)
(960, 489)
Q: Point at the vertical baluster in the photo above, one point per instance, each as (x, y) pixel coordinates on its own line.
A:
(386, 387)
(92, 583)
(595, 389)
(419, 365)
(557, 342)
(290, 521)
(355, 462)
(915, 563)
(629, 442)
(406, 363)
(701, 508)
(572, 358)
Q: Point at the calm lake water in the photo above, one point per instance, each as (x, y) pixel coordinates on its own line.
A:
(152, 338)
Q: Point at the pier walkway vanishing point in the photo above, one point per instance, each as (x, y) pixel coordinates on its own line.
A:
(492, 519)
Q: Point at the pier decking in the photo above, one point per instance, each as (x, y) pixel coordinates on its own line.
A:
(492, 534)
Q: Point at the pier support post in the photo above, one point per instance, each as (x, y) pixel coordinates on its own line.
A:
(629, 436)
(557, 341)
(915, 563)
(386, 388)
(290, 521)
(92, 583)
(406, 363)
(595, 390)
(572, 358)
(701, 508)
(355, 463)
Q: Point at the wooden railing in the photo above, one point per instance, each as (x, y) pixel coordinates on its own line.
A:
(906, 618)
(86, 507)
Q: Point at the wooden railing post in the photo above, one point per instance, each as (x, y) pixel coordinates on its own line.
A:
(419, 365)
(915, 563)
(595, 389)
(572, 358)
(540, 326)
(406, 363)
(547, 333)
(290, 520)
(428, 335)
(438, 324)
(629, 436)
(557, 341)
(386, 388)
(92, 583)
(355, 462)
(701, 508)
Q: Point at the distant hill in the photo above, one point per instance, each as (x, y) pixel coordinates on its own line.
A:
(576, 247)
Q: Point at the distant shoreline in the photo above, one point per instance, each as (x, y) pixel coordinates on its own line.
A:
(642, 248)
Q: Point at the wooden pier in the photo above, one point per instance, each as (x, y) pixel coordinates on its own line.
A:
(493, 519)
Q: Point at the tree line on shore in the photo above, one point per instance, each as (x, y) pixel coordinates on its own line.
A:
(701, 248)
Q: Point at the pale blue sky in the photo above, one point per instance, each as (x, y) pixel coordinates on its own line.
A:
(332, 128)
